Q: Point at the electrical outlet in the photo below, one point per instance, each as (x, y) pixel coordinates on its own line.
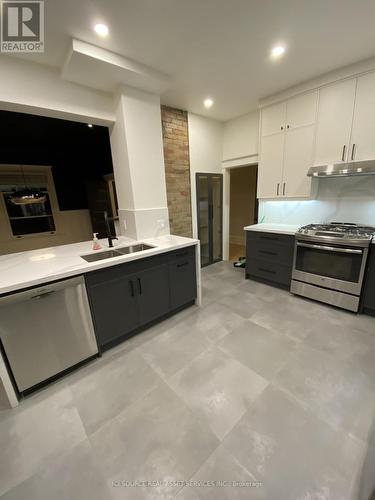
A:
(161, 223)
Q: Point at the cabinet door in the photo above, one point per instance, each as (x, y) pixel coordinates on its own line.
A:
(153, 293)
(271, 166)
(335, 113)
(369, 289)
(273, 119)
(301, 110)
(182, 280)
(363, 134)
(299, 145)
(114, 308)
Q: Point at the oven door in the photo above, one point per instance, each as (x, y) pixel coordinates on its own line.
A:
(335, 267)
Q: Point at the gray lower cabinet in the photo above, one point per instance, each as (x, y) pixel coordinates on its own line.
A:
(114, 306)
(368, 299)
(126, 297)
(269, 257)
(182, 278)
(153, 293)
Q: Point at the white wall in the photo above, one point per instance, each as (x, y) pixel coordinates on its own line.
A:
(138, 164)
(240, 136)
(32, 88)
(346, 199)
(205, 149)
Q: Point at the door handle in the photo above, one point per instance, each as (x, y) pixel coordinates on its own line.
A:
(277, 189)
(139, 286)
(343, 153)
(353, 151)
(131, 288)
(284, 184)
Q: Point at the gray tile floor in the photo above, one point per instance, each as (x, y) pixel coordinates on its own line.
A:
(256, 387)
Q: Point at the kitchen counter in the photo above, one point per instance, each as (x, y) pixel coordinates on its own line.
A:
(35, 267)
(274, 228)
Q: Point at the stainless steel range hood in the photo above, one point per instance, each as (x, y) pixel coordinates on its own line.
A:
(366, 167)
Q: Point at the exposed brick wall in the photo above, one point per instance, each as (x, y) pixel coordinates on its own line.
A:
(177, 169)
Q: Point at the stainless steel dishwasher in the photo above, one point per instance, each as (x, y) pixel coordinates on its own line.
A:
(46, 330)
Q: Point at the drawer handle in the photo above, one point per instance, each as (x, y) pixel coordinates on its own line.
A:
(139, 286)
(183, 264)
(183, 254)
(268, 252)
(266, 270)
(270, 238)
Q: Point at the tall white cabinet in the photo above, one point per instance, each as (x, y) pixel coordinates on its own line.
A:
(362, 141)
(346, 121)
(336, 104)
(286, 147)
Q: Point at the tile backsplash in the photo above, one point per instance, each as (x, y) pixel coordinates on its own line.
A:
(342, 199)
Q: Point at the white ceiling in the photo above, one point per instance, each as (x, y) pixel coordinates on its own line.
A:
(218, 48)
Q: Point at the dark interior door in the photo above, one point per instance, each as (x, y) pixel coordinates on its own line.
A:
(210, 216)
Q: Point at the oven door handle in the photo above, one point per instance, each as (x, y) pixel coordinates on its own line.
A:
(329, 249)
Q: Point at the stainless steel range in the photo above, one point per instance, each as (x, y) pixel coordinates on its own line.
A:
(329, 262)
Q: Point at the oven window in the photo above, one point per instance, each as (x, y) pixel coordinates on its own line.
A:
(30, 219)
(330, 264)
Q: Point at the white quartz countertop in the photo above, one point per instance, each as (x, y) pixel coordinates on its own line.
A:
(25, 269)
(274, 228)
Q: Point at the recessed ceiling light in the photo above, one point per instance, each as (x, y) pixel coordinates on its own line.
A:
(90, 125)
(277, 51)
(208, 102)
(101, 29)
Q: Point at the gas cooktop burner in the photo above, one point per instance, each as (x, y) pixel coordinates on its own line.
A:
(340, 230)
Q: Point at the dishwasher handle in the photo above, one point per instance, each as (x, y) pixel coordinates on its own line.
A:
(43, 295)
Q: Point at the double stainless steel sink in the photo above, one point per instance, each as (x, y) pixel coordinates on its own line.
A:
(108, 254)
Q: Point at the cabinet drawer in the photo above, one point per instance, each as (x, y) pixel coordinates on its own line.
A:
(271, 237)
(269, 271)
(181, 254)
(271, 251)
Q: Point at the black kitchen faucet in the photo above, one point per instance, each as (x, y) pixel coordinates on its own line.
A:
(107, 220)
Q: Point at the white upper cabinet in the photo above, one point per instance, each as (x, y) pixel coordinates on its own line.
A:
(304, 131)
(286, 147)
(301, 110)
(270, 169)
(298, 157)
(362, 143)
(335, 114)
(273, 119)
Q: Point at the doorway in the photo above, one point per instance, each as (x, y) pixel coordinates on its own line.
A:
(243, 207)
(210, 216)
